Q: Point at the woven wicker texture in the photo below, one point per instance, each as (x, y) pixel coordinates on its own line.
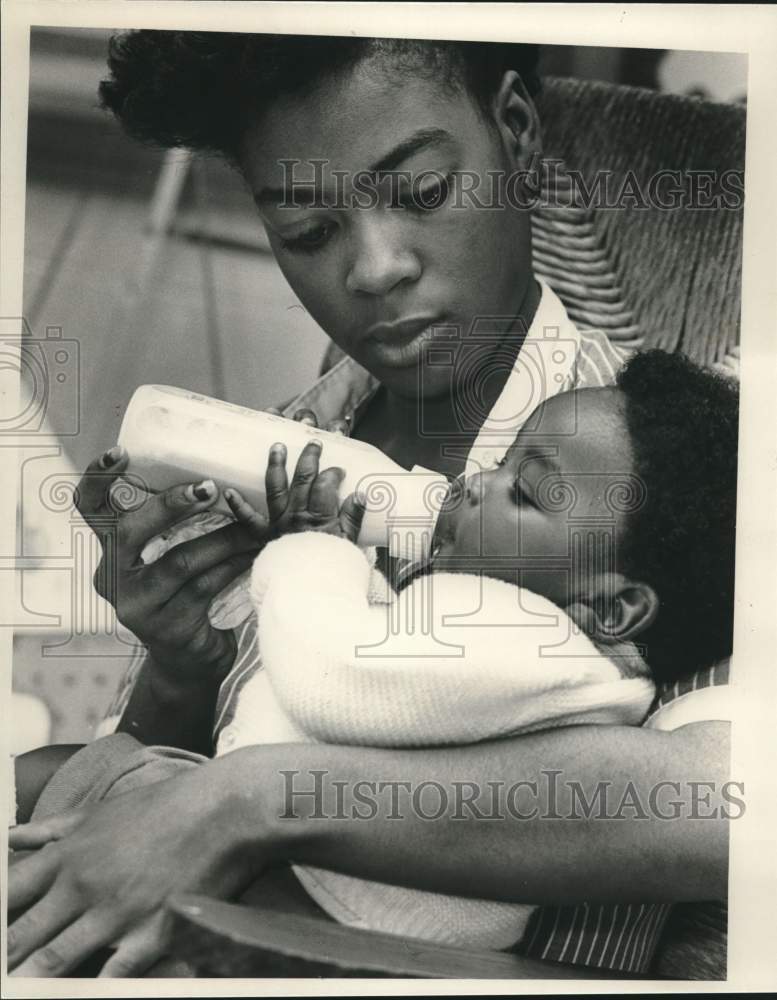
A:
(647, 275)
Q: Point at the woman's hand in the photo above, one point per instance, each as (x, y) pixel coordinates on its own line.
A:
(165, 604)
(98, 876)
(310, 503)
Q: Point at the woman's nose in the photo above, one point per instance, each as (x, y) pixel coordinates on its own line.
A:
(380, 259)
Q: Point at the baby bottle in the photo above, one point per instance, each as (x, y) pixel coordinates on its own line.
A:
(175, 436)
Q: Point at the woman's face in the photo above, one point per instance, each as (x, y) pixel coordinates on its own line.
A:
(378, 278)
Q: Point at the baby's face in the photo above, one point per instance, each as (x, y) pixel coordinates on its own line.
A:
(552, 514)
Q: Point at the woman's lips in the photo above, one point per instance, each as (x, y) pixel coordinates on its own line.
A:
(400, 344)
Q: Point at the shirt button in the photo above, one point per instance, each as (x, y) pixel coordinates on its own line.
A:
(228, 736)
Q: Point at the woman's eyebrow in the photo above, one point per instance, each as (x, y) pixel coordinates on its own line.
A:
(421, 139)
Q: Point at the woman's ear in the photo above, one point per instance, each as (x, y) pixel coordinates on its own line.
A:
(627, 610)
(517, 121)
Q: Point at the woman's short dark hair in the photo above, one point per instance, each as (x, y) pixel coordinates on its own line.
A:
(200, 90)
(683, 422)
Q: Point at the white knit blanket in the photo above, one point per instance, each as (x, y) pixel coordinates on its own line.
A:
(452, 659)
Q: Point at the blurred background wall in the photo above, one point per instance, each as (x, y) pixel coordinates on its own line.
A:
(141, 267)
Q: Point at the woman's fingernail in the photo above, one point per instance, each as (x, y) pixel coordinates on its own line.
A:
(317, 442)
(203, 491)
(278, 450)
(111, 457)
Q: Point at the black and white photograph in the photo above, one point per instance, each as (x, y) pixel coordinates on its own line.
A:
(389, 563)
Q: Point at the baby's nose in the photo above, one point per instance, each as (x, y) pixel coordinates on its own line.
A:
(473, 489)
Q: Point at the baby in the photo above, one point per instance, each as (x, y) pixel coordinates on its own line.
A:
(610, 523)
(595, 561)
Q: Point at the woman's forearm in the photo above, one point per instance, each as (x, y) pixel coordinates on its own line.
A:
(656, 828)
(164, 709)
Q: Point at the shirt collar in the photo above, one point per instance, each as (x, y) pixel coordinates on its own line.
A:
(337, 393)
(544, 366)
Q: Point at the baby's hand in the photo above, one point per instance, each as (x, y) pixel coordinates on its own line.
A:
(310, 503)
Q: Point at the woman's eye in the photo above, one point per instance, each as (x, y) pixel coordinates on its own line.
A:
(310, 240)
(428, 197)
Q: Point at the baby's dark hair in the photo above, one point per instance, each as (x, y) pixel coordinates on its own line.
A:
(683, 421)
(200, 90)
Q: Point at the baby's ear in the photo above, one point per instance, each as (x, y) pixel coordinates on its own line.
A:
(621, 614)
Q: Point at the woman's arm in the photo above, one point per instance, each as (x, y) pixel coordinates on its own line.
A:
(169, 706)
(214, 828)
(666, 794)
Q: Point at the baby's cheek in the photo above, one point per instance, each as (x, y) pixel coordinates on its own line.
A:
(503, 537)
(553, 584)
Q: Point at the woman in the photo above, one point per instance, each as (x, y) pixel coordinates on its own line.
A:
(356, 152)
